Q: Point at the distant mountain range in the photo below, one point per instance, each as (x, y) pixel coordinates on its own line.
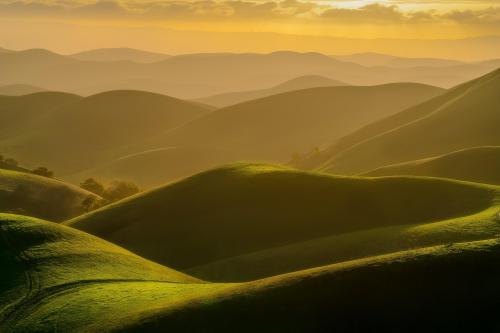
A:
(195, 76)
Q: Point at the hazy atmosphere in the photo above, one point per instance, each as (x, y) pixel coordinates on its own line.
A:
(249, 166)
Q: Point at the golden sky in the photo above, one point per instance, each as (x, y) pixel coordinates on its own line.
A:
(70, 26)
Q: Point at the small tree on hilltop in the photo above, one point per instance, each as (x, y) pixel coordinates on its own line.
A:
(91, 202)
(11, 162)
(93, 186)
(120, 189)
(43, 171)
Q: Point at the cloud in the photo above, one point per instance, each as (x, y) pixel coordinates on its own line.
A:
(373, 13)
(487, 15)
(263, 10)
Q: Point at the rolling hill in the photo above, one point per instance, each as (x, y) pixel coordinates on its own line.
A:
(96, 129)
(21, 114)
(478, 164)
(246, 208)
(376, 59)
(120, 54)
(42, 197)
(58, 281)
(351, 246)
(464, 120)
(303, 82)
(275, 127)
(19, 90)
(157, 167)
(195, 76)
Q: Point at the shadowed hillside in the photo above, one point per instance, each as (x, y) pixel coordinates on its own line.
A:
(247, 208)
(43, 197)
(105, 288)
(463, 118)
(276, 127)
(97, 128)
(352, 245)
(303, 82)
(480, 164)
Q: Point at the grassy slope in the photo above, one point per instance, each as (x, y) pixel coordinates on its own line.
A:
(157, 167)
(352, 245)
(275, 127)
(20, 114)
(479, 164)
(103, 287)
(42, 259)
(303, 82)
(467, 120)
(40, 196)
(381, 126)
(244, 208)
(98, 127)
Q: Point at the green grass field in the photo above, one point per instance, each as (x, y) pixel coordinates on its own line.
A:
(49, 198)
(61, 279)
(244, 208)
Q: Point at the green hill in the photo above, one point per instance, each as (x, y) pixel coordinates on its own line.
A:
(276, 127)
(38, 196)
(479, 164)
(466, 118)
(46, 260)
(352, 245)
(245, 208)
(96, 129)
(19, 90)
(57, 281)
(303, 82)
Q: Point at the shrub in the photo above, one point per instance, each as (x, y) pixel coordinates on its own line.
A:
(93, 186)
(43, 171)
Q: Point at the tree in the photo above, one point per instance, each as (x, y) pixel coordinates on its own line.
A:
(93, 186)
(43, 171)
(11, 162)
(91, 202)
(120, 189)
(296, 157)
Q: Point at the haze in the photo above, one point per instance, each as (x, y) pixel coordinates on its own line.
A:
(457, 29)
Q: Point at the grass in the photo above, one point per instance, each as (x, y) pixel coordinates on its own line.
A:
(350, 246)
(41, 197)
(466, 120)
(244, 208)
(92, 130)
(41, 258)
(102, 287)
(158, 167)
(275, 127)
(478, 164)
